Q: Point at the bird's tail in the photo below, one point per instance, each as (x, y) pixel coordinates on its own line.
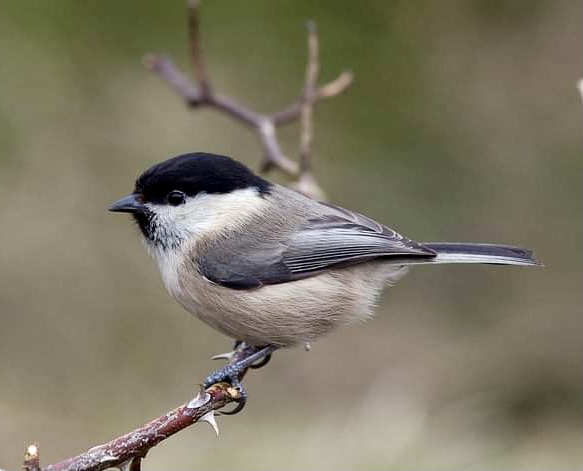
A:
(460, 252)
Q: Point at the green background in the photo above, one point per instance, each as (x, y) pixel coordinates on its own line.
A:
(463, 123)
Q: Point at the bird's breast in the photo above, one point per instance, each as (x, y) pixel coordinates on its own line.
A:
(281, 314)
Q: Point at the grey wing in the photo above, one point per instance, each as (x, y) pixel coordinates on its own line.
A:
(340, 237)
(333, 239)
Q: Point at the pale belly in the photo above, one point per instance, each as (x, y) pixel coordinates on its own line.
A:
(290, 313)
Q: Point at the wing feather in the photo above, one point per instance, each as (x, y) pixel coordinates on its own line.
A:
(326, 242)
(335, 238)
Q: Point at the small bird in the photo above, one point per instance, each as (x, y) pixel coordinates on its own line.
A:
(268, 266)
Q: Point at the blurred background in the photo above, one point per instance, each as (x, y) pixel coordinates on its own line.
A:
(463, 123)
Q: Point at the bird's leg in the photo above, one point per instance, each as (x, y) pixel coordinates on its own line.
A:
(245, 356)
(239, 344)
(264, 361)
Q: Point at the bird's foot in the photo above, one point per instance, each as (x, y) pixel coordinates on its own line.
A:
(243, 357)
(242, 346)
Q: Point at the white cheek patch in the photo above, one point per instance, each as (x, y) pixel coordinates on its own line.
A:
(204, 214)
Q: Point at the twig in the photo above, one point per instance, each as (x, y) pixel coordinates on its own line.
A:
(127, 451)
(306, 183)
(264, 125)
(196, 51)
(31, 458)
(336, 87)
(306, 117)
(122, 452)
(164, 67)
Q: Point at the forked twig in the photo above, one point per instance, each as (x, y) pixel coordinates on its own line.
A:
(202, 93)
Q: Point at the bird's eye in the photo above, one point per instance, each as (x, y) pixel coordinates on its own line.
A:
(176, 197)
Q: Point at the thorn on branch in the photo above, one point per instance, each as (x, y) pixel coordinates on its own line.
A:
(199, 400)
(210, 419)
(127, 451)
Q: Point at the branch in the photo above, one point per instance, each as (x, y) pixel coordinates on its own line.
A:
(330, 90)
(196, 51)
(127, 451)
(164, 67)
(31, 458)
(306, 183)
(202, 93)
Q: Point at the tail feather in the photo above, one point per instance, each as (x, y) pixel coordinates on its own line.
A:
(458, 252)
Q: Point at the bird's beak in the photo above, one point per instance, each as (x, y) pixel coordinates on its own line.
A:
(128, 204)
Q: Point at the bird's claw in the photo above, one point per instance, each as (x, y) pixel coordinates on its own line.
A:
(232, 373)
(261, 363)
(241, 400)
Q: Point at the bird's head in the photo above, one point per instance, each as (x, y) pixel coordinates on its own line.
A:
(191, 195)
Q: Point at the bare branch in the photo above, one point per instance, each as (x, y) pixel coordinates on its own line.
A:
(264, 125)
(306, 182)
(291, 113)
(124, 450)
(236, 110)
(127, 451)
(274, 156)
(31, 458)
(200, 72)
(336, 87)
(166, 69)
(306, 117)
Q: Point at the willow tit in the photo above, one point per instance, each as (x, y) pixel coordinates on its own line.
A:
(266, 265)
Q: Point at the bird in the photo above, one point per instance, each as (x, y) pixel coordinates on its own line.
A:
(268, 266)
